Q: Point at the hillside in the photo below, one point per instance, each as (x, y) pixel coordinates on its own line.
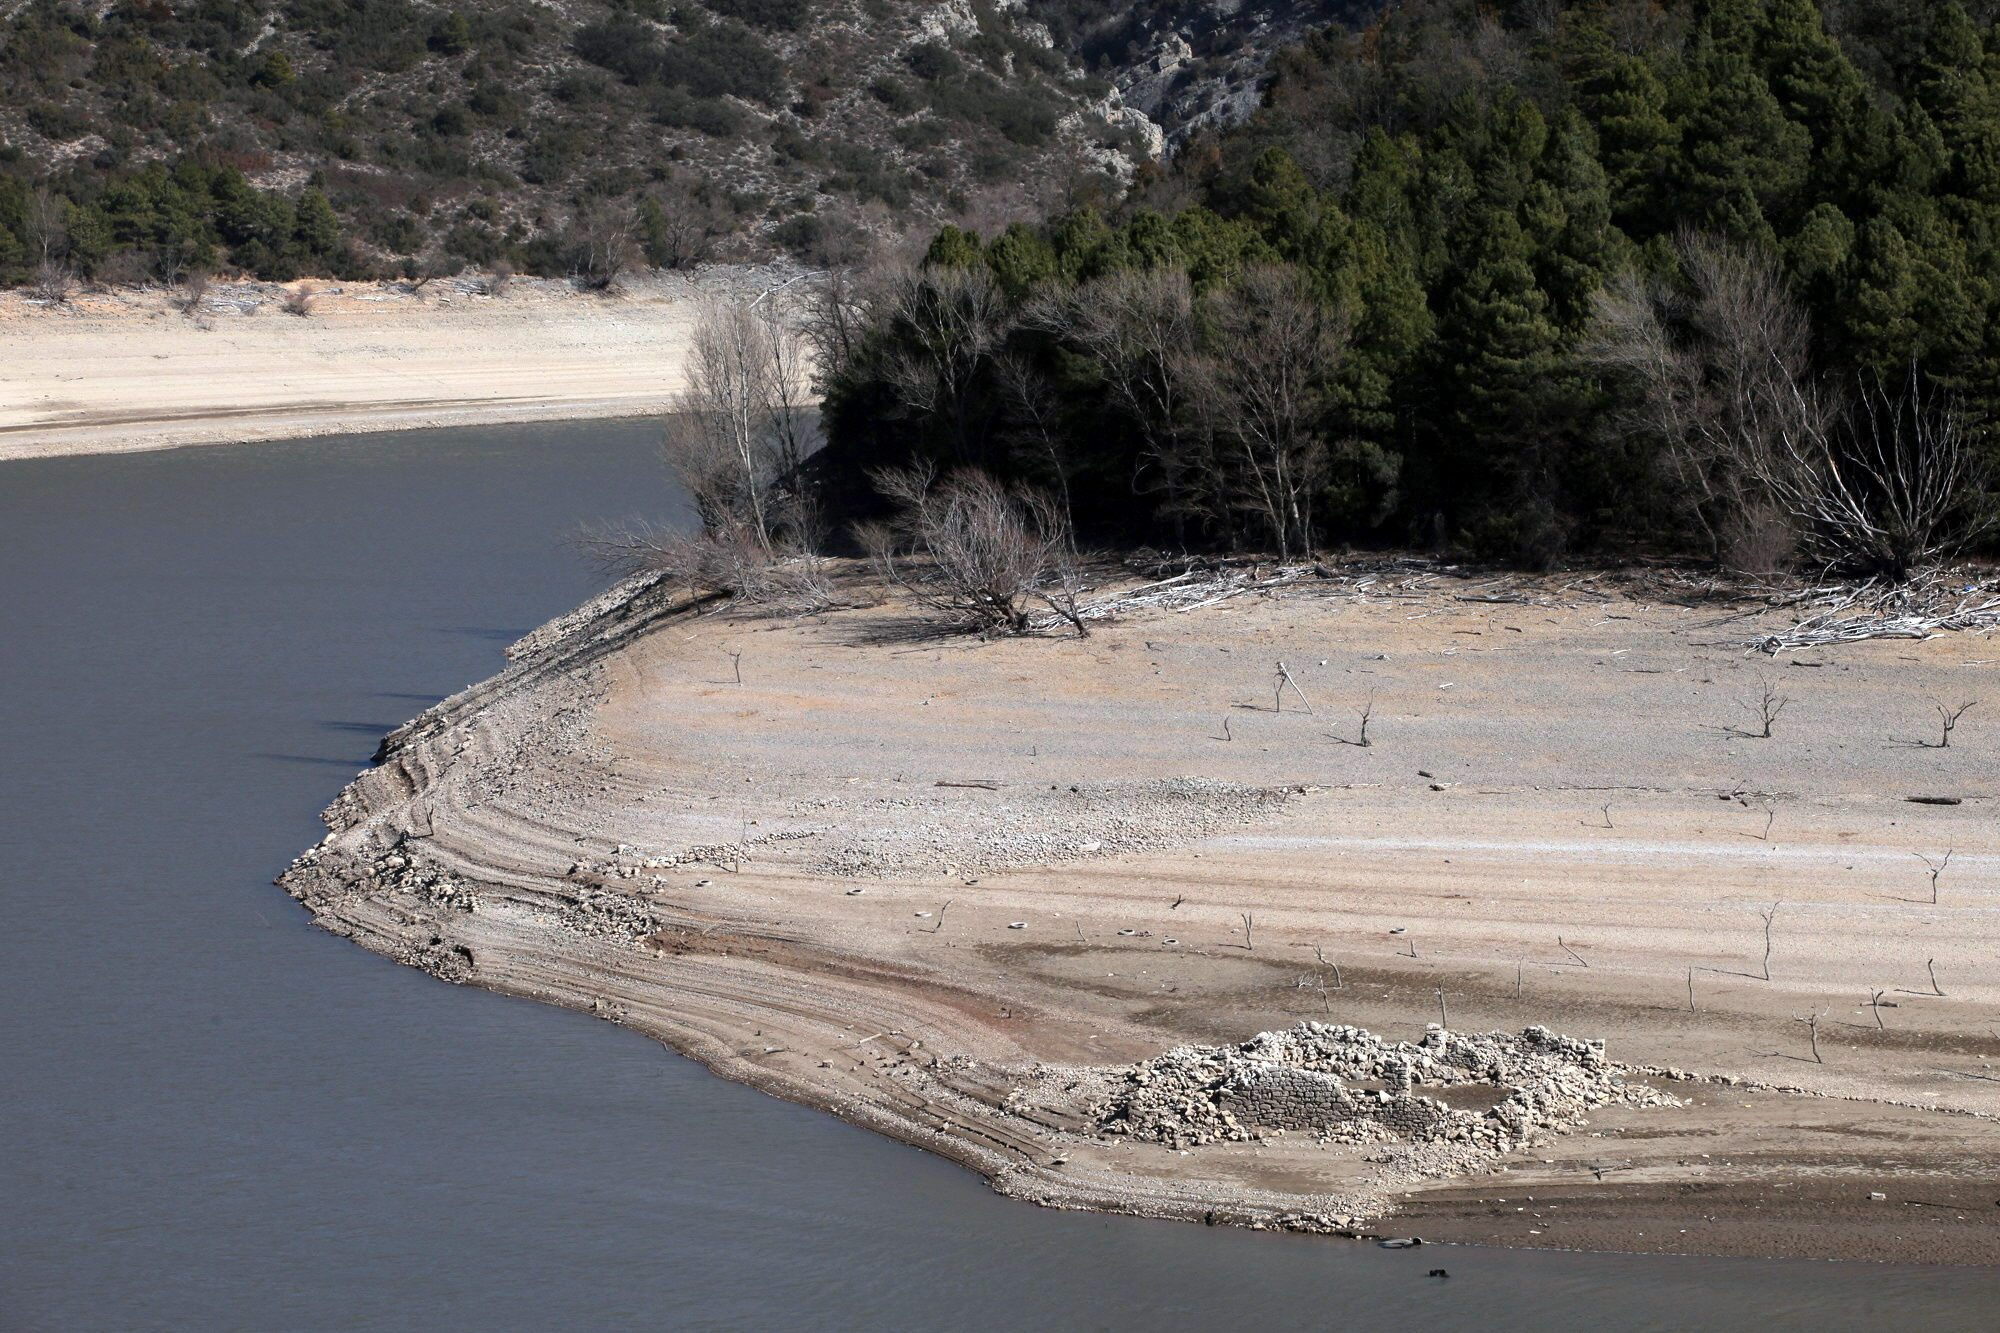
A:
(363, 137)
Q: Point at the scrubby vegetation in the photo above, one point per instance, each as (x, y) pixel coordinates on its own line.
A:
(1526, 279)
(377, 137)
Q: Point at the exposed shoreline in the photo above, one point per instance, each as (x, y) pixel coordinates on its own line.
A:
(125, 370)
(809, 882)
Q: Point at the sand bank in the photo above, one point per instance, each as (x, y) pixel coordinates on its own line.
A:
(970, 894)
(130, 369)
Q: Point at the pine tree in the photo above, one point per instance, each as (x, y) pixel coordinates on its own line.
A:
(1626, 102)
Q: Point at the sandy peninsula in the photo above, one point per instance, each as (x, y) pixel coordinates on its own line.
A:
(129, 369)
(1024, 902)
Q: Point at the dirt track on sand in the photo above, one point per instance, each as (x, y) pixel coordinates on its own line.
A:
(954, 890)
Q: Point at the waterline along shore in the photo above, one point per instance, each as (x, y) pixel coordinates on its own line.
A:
(1560, 958)
(132, 369)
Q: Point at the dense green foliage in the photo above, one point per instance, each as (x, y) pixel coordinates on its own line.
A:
(1458, 182)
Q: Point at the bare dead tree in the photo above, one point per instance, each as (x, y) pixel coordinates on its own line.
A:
(1320, 953)
(1769, 915)
(194, 291)
(1812, 1032)
(1365, 712)
(1444, 1012)
(1875, 1003)
(1930, 966)
(601, 243)
(1571, 952)
(1038, 415)
(1275, 351)
(1137, 329)
(977, 550)
(1897, 485)
(1720, 364)
(947, 323)
(49, 242)
(1948, 719)
(834, 315)
(1691, 1008)
(1765, 707)
(739, 430)
(1936, 868)
(1249, 924)
(1284, 678)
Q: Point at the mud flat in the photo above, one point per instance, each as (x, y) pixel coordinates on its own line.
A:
(1108, 922)
(127, 369)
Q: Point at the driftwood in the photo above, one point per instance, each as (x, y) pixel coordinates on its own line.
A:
(1926, 606)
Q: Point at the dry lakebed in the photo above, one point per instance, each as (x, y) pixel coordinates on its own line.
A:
(1566, 955)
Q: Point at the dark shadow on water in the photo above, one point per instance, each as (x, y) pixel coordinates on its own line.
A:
(357, 763)
(489, 634)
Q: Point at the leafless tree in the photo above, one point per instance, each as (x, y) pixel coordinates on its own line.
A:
(1948, 720)
(49, 243)
(1936, 868)
(1137, 329)
(1720, 362)
(1038, 417)
(1276, 346)
(1770, 916)
(834, 313)
(1766, 706)
(1365, 712)
(947, 323)
(601, 243)
(979, 551)
(790, 392)
(738, 431)
(681, 231)
(1812, 1032)
(1897, 485)
(1887, 482)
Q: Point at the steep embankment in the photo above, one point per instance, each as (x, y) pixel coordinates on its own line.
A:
(970, 895)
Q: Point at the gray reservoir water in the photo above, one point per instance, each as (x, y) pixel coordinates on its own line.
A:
(215, 1117)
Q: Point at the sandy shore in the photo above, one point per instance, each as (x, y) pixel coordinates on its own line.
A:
(128, 369)
(956, 891)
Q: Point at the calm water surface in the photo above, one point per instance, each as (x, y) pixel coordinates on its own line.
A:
(215, 1117)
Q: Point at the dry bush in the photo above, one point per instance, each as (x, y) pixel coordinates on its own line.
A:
(977, 551)
(499, 279)
(194, 291)
(725, 564)
(298, 301)
(1897, 486)
(53, 282)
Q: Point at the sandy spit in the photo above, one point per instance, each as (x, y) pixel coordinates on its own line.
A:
(958, 892)
(129, 369)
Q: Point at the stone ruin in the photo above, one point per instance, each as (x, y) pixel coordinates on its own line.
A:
(1488, 1093)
